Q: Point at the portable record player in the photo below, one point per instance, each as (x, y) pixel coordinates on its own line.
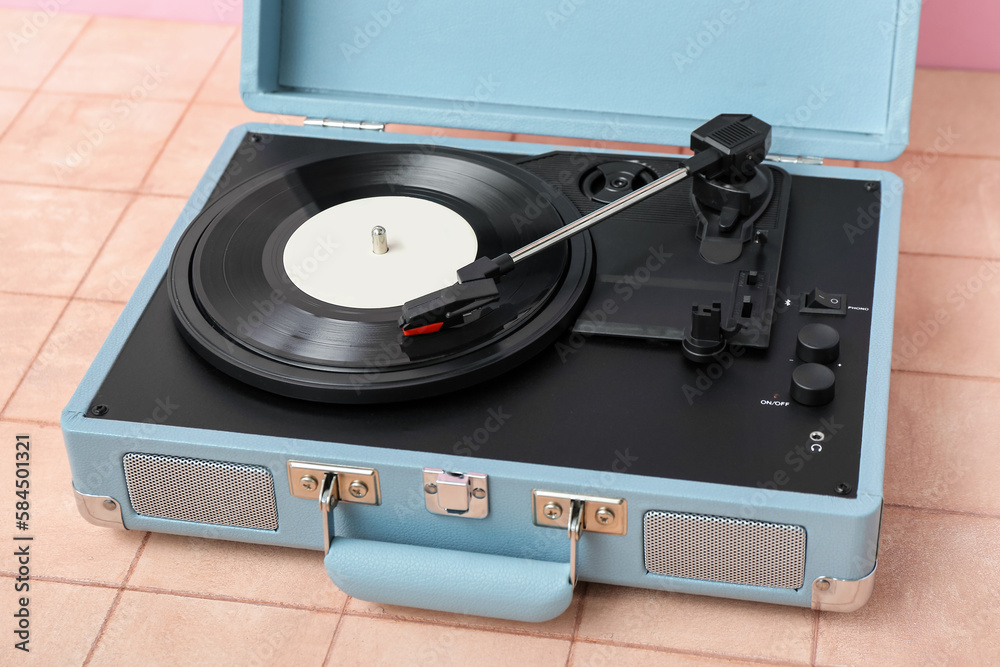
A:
(475, 372)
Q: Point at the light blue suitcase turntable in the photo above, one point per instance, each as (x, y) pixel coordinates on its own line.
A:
(689, 396)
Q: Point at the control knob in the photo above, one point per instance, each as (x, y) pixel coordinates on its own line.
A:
(812, 384)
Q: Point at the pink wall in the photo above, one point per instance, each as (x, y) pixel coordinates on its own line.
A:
(959, 34)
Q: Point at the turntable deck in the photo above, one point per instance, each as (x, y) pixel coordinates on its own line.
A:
(650, 405)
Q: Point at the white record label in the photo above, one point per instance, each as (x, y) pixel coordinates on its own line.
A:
(331, 258)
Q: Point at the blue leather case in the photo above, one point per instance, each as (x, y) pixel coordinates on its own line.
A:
(833, 81)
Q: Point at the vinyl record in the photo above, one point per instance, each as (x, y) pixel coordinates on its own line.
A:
(276, 282)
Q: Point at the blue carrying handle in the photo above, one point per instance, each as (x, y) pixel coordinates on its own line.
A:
(460, 582)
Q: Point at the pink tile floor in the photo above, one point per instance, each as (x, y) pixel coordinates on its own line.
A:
(74, 239)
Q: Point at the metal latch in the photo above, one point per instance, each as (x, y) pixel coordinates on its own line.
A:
(456, 494)
(577, 513)
(333, 484)
(345, 124)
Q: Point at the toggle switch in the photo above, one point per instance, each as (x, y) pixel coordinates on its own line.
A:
(818, 302)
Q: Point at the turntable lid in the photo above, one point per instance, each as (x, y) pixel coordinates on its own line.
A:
(834, 78)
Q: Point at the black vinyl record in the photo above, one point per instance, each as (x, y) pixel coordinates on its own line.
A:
(237, 306)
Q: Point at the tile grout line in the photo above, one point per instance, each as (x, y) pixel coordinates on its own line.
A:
(187, 108)
(576, 623)
(114, 603)
(97, 189)
(941, 255)
(89, 188)
(62, 313)
(728, 657)
(940, 510)
(336, 631)
(66, 581)
(29, 294)
(134, 196)
(3, 134)
(153, 590)
(27, 369)
(41, 423)
(517, 632)
(925, 152)
(53, 296)
(91, 299)
(113, 96)
(38, 88)
(152, 165)
(950, 376)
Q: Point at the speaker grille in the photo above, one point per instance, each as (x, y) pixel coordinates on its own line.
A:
(718, 548)
(174, 487)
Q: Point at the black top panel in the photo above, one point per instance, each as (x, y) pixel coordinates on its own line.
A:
(590, 402)
(650, 253)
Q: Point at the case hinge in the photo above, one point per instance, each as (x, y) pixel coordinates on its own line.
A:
(795, 159)
(345, 124)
